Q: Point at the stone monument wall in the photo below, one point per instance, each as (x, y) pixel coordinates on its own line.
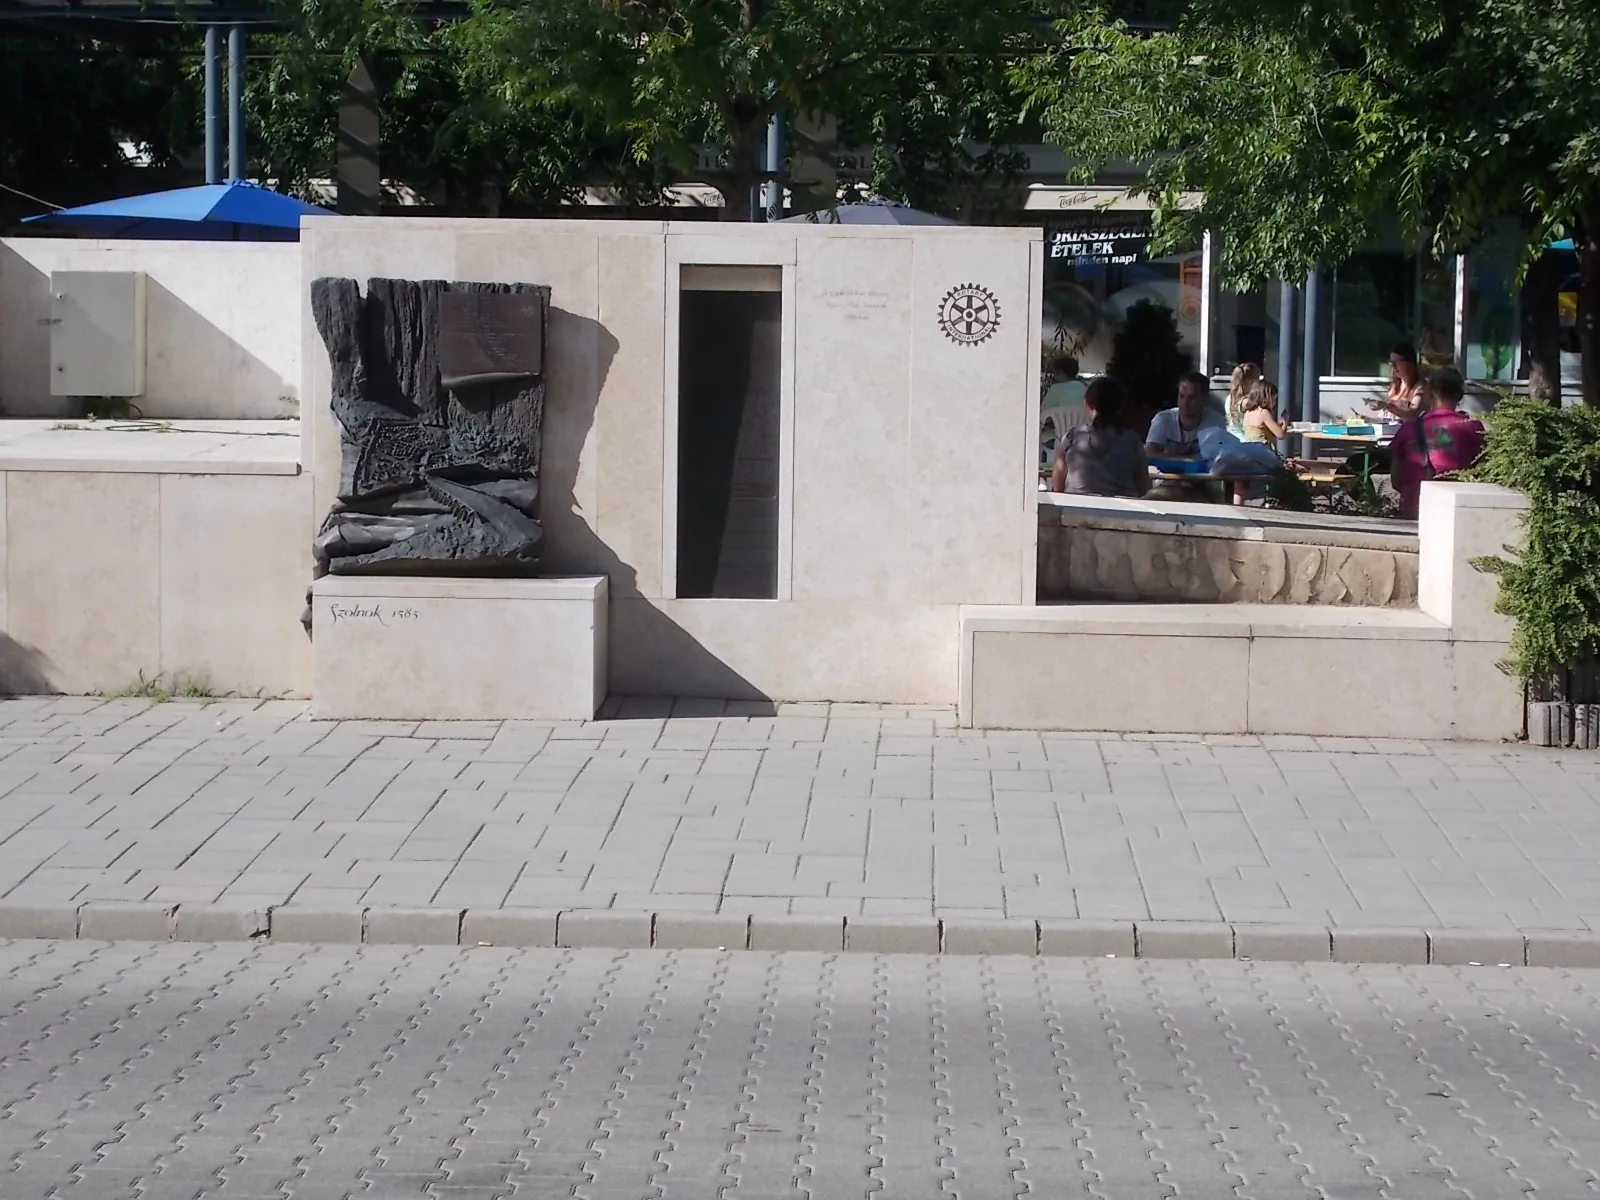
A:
(907, 420)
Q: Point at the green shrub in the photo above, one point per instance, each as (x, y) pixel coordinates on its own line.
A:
(1147, 357)
(1550, 585)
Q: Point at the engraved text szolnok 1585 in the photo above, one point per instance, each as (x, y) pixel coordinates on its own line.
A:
(371, 612)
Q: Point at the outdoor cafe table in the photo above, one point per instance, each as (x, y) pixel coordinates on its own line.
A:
(1316, 479)
(1226, 479)
(1170, 477)
(1317, 434)
(1308, 434)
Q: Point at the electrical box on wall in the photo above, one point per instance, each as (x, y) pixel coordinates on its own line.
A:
(97, 333)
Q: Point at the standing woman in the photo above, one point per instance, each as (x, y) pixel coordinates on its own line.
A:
(1404, 400)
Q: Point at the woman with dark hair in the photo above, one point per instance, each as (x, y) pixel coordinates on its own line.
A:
(1105, 457)
(1405, 384)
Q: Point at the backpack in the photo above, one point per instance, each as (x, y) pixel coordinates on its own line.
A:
(1428, 471)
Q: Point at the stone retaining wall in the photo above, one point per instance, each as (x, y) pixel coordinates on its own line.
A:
(1168, 552)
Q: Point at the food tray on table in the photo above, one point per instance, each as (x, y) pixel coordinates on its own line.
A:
(1349, 430)
(1179, 466)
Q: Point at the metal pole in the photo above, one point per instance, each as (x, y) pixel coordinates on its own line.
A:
(236, 102)
(774, 188)
(360, 131)
(213, 104)
(1310, 398)
(1458, 315)
(757, 213)
(1286, 381)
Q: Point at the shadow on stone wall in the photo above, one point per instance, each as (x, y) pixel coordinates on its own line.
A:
(202, 371)
(573, 545)
(194, 368)
(662, 657)
(23, 671)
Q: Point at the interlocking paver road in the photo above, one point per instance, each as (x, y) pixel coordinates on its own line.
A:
(815, 811)
(170, 1072)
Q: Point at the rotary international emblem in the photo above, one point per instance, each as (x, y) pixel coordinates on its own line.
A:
(969, 314)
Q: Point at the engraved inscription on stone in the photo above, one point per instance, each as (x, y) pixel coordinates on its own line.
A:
(487, 337)
(857, 304)
(371, 612)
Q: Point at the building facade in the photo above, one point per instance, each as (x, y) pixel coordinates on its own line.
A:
(1462, 310)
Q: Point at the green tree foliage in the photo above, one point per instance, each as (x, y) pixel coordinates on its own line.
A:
(1550, 584)
(938, 130)
(447, 129)
(72, 102)
(917, 78)
(522, 105)
(1302, 123)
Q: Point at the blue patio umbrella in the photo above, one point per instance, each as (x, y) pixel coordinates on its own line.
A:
(234, 211)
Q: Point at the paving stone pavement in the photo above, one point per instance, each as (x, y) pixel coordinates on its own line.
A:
(695, 807)
(271, 1072)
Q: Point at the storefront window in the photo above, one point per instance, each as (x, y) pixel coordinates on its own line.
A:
(1492, 315)
(1096, 268)
(1380, 298)
(1245, 329)
(1436, 312)
(1366, 311)
(1370, 303)
(1571, 349)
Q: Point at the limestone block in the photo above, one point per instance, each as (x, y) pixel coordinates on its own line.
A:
(1459, 523)
(458, 649)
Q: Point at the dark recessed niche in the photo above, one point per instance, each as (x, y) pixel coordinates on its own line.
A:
(729, 370)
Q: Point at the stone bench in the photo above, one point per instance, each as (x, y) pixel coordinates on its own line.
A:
(1103, 548)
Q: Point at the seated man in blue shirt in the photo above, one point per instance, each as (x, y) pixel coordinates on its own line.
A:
(1175, 433)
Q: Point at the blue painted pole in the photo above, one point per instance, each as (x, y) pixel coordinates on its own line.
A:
(1310, 395)
(1286, 381)
(236, 102)
(213, 104)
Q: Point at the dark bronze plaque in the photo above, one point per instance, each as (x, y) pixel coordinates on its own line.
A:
(486, 337)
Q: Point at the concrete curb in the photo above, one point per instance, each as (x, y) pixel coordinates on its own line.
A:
(611, 929)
